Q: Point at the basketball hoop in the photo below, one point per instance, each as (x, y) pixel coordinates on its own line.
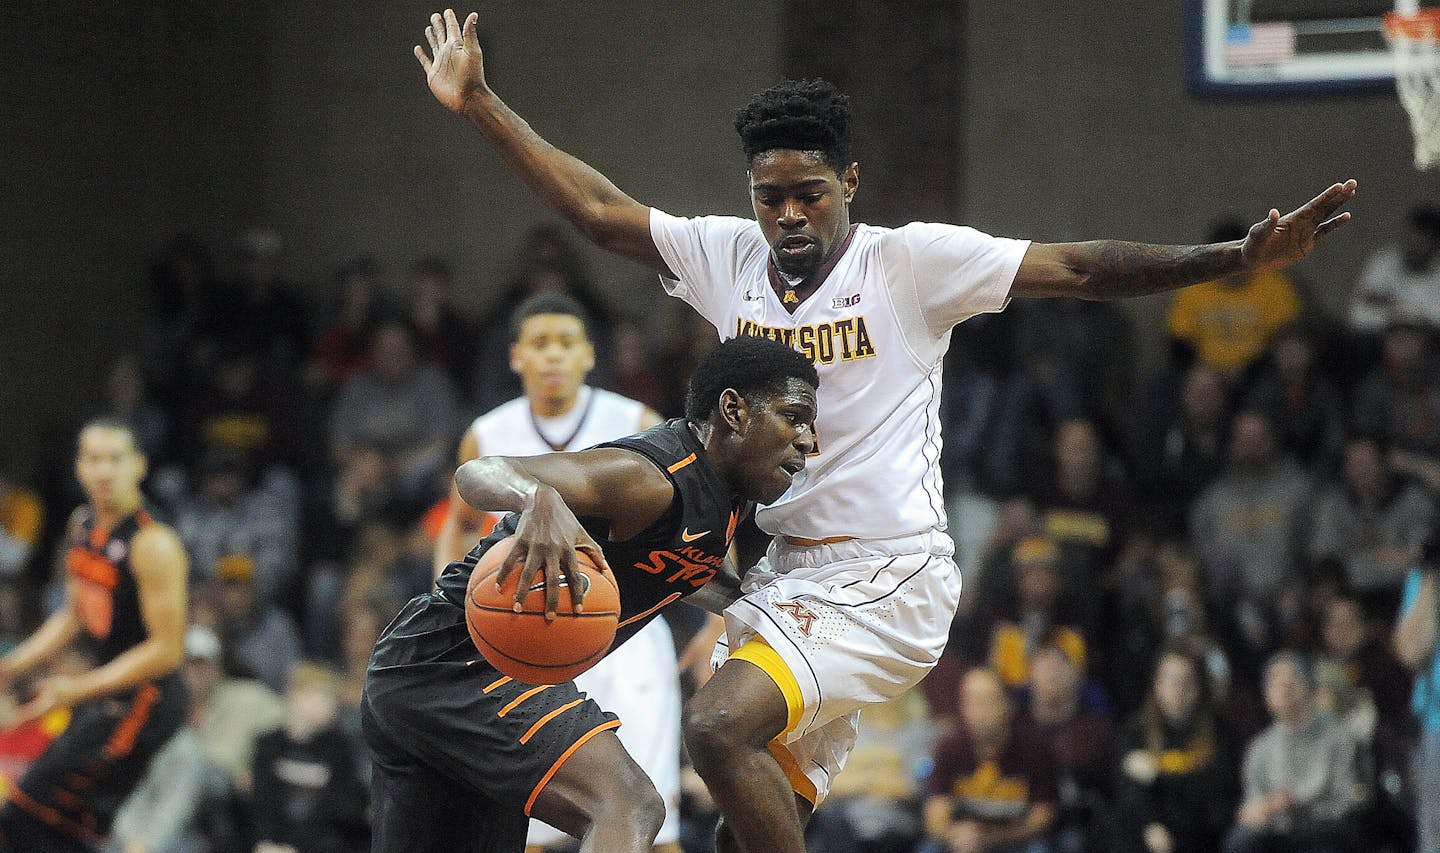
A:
(1415, 38)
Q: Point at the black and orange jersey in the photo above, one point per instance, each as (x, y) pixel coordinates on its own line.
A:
(107, 599)
(672, 558)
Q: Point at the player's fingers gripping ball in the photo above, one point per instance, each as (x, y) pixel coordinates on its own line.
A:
(524, 645)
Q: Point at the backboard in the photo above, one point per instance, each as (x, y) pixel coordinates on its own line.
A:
(1263, 47)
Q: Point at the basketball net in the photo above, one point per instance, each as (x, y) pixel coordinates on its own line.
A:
(1415, 40)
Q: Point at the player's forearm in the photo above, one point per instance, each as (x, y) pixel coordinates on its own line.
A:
(54, 634)
(137, 665)
(567, 184)
(1114, 269)
(493, 483)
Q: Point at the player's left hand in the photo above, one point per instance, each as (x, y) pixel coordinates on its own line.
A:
(1279, 241)
(57, 691)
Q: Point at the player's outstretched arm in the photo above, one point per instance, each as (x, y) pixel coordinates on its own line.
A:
(1112, 269)
(455, 70)
(549, 492)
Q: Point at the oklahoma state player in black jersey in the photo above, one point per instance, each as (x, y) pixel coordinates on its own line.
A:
(462, 755)
(125, 593)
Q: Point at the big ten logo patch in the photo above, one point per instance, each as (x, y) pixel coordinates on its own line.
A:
(687, 564)
(804, 617)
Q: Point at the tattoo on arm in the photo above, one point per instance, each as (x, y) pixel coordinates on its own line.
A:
(1115, 269)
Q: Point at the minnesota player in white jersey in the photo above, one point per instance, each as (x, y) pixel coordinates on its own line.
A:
(552, 353)
(853, 602)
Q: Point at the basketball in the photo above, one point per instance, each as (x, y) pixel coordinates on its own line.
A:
(523, 645)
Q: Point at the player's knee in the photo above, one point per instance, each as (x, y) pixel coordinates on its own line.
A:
(712, 732)
(638, 806)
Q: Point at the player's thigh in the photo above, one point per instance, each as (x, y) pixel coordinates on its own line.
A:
(598, 776)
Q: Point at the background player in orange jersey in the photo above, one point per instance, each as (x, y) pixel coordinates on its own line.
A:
(125, 597)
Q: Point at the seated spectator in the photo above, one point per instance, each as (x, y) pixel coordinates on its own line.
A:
(1301, 777)
(391, 430)
(1079, 738)
(234, 403)
(261, 307)
(126, 398)
(1038, 617)
(227, 713)
(1302, 403)
(1403, 278)
(1182, 451)
(1229, 322)
(443, 332)
(235, 511)
(308, 793)
(1176, 784)
(1399, 399)
(1372, 521)
(993, 786)
(1084, 508)
(260, 638)
(22, 516)
(1247, 525)
(343, 347)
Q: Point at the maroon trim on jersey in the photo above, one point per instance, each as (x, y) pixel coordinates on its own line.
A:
(811, 283)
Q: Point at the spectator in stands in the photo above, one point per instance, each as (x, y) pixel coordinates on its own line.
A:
(1403, 278)
(22, 516)
(1372, 521)
(1301, 776)
(1080, 737)
(182, 285)
(162, 814)
(1070, 358)
(1415, 645)
(1176, 784)
(1301, 402)
(127, 400)
(1399, 401)
(1084, 508)
(261, 308)
(1248, 526)
(234, 403)
(343, 347)
(308, 793)
(1039, 617)
(1228, 322)
(993, 785)
(236, 512)
(227, 713)
(1182, 451)
(443, 332)
(391, 430)
(261, 638)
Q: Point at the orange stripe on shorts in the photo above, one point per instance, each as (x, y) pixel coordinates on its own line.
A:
(565, 756)
(525, 738)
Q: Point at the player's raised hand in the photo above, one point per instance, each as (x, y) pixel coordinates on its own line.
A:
(1278, 241)
(454, 67)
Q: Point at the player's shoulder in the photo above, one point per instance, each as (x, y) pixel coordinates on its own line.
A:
(502, 413)
(617, 402)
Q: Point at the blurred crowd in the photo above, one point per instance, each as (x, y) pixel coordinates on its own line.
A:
(1187, 583)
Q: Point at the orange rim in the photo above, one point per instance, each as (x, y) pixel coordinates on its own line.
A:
(1424, 24)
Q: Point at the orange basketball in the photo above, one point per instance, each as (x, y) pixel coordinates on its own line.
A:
(523, 645)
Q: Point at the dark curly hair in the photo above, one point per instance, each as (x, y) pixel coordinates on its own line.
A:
(755, 367)
(801, 115)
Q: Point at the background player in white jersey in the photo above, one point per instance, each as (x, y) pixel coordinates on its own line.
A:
(853, 603)
(552, 353)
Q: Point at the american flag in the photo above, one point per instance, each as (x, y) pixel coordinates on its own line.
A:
(1259, 44)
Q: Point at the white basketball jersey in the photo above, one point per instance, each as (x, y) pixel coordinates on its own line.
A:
(876, 330)
(509, 429)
